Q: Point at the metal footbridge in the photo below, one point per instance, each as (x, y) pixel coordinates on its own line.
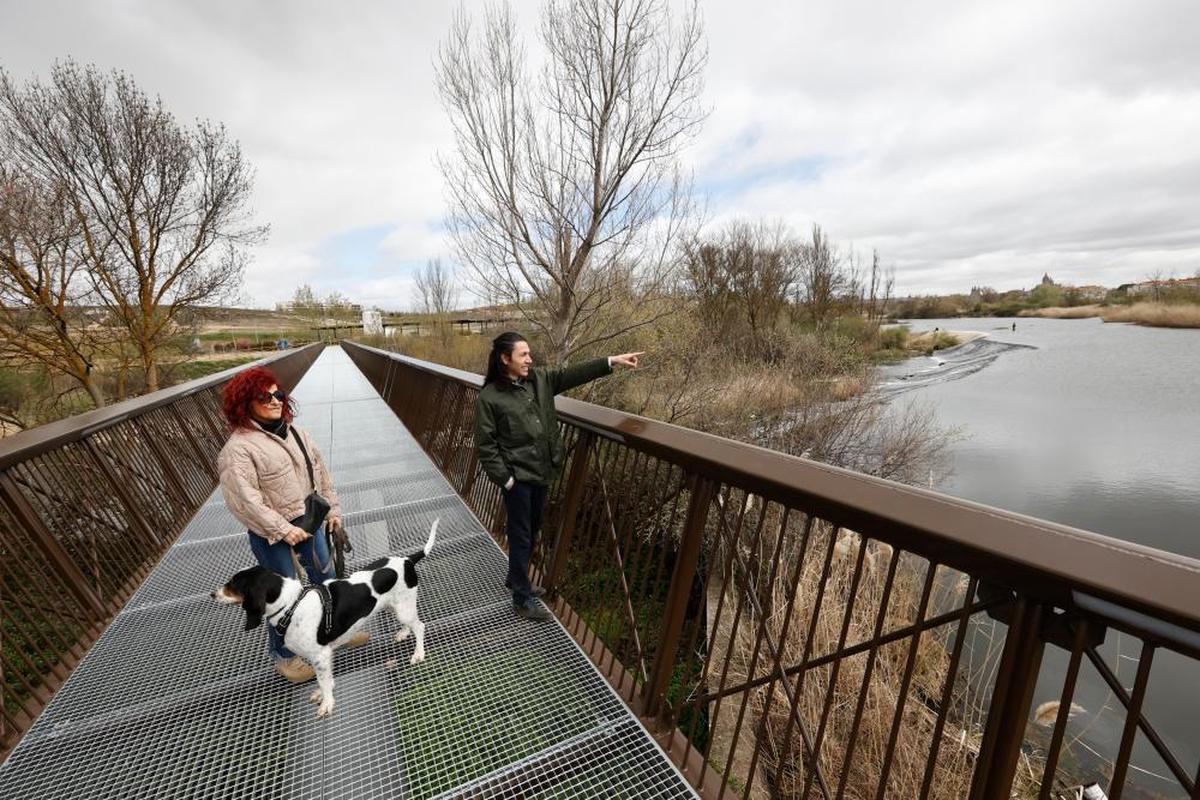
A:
(730, 621)
(174, 700)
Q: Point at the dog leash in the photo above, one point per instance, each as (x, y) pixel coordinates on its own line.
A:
(301, 573)
(326, 610)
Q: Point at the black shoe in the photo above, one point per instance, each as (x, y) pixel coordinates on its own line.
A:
(534, 611)
(538, 591)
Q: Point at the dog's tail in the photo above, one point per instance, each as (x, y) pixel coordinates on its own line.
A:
(424, 551)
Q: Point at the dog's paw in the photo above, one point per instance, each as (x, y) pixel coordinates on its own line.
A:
(315, 697)
(402, 634)
(417, 658)
(326, 708)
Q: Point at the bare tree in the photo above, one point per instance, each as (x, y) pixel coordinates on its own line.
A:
(438, 292)
(43, 318)
(880, 284)
(338, 306)
(436, 286)
(565, 189)
(162, 210)
(305, 303)
(1156, 279)
(822, 277)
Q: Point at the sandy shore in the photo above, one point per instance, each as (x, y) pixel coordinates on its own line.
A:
(919, 340)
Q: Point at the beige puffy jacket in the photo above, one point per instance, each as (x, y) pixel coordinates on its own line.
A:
(265, 480)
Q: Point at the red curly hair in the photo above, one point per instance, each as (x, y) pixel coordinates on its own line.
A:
(245, 387)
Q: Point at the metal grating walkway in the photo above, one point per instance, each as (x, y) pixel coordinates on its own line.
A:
(176, 701)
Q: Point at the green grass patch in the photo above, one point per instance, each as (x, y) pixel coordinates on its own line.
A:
(476, 717)
(190, 370)
(264, 335)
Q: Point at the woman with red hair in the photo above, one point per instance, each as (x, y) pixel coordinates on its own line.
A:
(265, 475)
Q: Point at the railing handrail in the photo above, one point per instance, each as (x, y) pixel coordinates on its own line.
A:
(27, 444)
(1047, 560)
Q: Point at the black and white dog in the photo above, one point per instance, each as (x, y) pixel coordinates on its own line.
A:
(315, 620)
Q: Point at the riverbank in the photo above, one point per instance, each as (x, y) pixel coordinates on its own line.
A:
(1156, 315)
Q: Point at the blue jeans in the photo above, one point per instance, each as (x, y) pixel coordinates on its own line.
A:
(314, 555)
(524, 503)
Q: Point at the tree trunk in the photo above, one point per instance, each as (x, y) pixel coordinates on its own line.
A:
(559, 331)
(151, 366)
(89, 384)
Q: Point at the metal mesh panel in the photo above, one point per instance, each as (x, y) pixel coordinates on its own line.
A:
(78, 505)
(176, 700)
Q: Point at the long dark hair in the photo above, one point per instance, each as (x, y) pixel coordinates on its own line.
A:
(501, 345)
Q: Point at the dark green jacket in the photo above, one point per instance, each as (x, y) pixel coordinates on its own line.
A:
(516, 427)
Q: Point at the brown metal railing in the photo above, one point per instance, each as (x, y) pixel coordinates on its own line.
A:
(790, 629)
(87, 507)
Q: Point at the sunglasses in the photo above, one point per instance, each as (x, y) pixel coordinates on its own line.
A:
(265, 397)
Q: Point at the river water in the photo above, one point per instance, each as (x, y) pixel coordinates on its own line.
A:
(1086, 423)
(1093, 425)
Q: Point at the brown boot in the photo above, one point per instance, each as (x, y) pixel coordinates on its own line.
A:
(296, 670)
(533, 611)
(357, 640)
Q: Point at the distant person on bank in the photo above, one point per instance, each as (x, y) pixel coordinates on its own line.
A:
(516, 438)
(264, 469)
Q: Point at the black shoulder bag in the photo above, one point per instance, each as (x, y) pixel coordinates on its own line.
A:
(316, 507)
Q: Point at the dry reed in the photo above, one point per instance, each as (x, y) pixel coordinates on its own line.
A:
(1074, 312)
(1159, 315)
(847, 613)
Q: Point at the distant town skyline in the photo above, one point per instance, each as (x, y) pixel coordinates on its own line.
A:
(969, 144)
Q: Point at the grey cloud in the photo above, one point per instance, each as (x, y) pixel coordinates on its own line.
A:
(970, 143)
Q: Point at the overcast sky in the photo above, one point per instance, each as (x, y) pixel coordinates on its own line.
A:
(970, 143)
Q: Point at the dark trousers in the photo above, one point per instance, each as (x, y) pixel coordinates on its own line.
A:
(524, 503)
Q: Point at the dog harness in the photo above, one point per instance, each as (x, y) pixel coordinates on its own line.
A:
(326, 610)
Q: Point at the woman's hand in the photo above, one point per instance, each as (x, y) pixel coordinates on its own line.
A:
(334, 524)
(296, 535)
(628, 359)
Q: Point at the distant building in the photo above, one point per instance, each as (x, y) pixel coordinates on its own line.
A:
(1047, 280)
(1155, 288)
(1091, 293)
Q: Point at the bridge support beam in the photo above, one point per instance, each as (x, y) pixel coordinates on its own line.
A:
(1012, 697)
(677, 596)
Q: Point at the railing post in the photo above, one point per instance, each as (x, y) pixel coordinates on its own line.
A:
(691, 540)
(576, 479)
(57, 557)
(1012, 697)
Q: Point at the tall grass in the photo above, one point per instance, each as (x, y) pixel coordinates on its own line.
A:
(829, 696)
(1159, 315)
(1075, 312)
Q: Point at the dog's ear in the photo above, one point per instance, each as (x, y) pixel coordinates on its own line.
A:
(254, 612)
(257, 586)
